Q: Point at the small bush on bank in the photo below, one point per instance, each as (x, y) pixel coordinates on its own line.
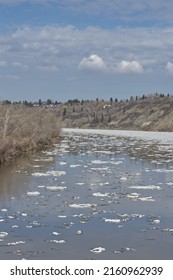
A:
(23, 129)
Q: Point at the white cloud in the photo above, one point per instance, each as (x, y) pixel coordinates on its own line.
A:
(169, 67)
(93, 62)
(129, 67)
(124, 49)
(96, 63)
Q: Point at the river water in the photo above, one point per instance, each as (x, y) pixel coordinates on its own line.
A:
(96, 195)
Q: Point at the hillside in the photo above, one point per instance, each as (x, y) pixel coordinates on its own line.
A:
(153, 113)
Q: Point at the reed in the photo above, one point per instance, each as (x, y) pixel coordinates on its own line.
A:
(23, 129)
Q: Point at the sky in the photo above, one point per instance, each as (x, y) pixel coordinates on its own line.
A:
(85, 49)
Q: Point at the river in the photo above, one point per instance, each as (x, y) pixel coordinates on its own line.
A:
(98, 194)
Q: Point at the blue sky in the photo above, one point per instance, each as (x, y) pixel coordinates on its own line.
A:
(67, 49)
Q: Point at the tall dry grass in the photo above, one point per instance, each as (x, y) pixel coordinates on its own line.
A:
(23, 129)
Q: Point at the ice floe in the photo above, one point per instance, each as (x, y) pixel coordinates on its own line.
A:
(79, 232)
(112, 220)
(101, 194)
(98, 250)
(152, 187)
(56, 233)
(15, 243)
(3, 234)
(62, 241)
(33, 193)
(84, 205)
(56, 188)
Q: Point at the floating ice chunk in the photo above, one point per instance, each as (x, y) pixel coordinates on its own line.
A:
(117, 252)
(4, 210)
(62, 163)
(41, 187)
(56, 173)
(86, 205)
(157, 221)
(169, 183)
(168, 229)
(152, 187)
(101, 194)
(79, 184)
(99, 162)
(147, 198)
(123, 178)
(56, 233)
(97, 250)
(24, 214)
(111, 220)
(39, 174)
(58, 241)
(133, 196)
(79, 232)
(1, 220)
(74, 165)
(99, 168)
(15, 226)
(15, 243)
(33, 193)
(62, 216)
(55, 188)
(3, 234)
(127, 249)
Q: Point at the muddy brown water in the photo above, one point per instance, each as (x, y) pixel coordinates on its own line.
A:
(94, 196)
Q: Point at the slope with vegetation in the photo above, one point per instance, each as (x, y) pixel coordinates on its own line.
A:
(153, 112)
(25, 128)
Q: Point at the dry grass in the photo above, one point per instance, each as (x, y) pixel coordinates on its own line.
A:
(23, 129)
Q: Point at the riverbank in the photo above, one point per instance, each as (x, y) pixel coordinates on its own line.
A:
(147, 113)
(24, 129)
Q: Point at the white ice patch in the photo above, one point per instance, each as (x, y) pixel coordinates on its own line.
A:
(15, 243)
(123, 178)
(33, 193)
(39, 174)
(86, 205)
(111, 220)
(133, 196)
(58, 241)
(79, 232)
(152, 187)
(80, 184)
(136, 196)
(98, 162)
(101, 194)
(98, 250)
(147, 198)
(55, 188)
(4, 210)
(56, 173)
(62, 163)
(74, 165)
(99, 168)
(168, 229)
(156, 221)
(56, 233)
(3, 234)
